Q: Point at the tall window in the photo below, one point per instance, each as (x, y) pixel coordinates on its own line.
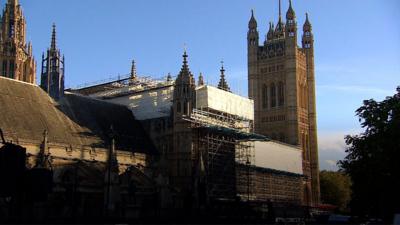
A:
(281, 94)
(185, 107)
(4, 72)
(264, 96)
(12, 66)
(178, 107)
(273, 95)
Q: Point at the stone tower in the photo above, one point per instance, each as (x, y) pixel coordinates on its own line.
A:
(16, 60)
(52, 77)
(184, 100)
(282, 85)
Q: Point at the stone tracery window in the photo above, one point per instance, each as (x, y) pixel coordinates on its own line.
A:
(281, 94)
(273, 95)
(264, 96)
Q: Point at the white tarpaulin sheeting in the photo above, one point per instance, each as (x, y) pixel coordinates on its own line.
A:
(149, 104)
(278, 156)
(220, 100)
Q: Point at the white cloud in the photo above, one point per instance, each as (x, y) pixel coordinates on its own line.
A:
(331, 162)
(331, 141)
(332, 148)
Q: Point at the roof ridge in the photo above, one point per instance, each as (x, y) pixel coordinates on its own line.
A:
(23, 82)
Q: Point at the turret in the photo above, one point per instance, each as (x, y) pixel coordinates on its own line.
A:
(252, 35)
(184, 91)
(52, 77)
(308, 39)
(252, 52)
(291, 24)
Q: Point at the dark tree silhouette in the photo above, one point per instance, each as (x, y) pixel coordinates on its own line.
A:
(335, 189)
(372, 159)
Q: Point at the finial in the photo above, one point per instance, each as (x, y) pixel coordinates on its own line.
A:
(222, 65)
(252, 12)
(184, 55)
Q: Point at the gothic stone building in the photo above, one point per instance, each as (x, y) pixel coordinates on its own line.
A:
(16, 59)
(282, 85)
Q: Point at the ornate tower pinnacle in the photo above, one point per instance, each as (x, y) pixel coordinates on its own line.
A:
(16, 59)
(133, 71)
(223, 85)
(52, 77)
(201, 80)
(308, 39)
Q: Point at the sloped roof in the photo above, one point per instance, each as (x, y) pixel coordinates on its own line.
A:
(26, 111)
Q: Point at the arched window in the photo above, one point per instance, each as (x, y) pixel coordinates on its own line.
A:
(12, 66)
(178, 107)
(303, 146)
(273, 95)
(307, 147)
(4, 72)
(185, 107)
(281, 94)
(264, 96)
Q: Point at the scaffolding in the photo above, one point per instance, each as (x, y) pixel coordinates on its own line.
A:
(218, 136)
(121, 85)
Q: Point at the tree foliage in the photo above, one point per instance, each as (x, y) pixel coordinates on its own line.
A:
(373, 159)
(335, 189)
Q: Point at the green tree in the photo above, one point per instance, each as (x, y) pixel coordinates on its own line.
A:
(373, 159)
(335, 189)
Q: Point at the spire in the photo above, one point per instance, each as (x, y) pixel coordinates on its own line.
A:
(222, 82)
(53, 38)
(185, 67)
(290, 14)
(279, 26)
(201, 80)
(133, 71)
(270, 34)
(252, 22)
(307, 25)
(280, 14)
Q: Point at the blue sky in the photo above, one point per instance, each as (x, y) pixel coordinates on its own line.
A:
(357, 46)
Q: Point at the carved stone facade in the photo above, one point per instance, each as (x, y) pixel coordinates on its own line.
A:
(282, 85)
(16, 59)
